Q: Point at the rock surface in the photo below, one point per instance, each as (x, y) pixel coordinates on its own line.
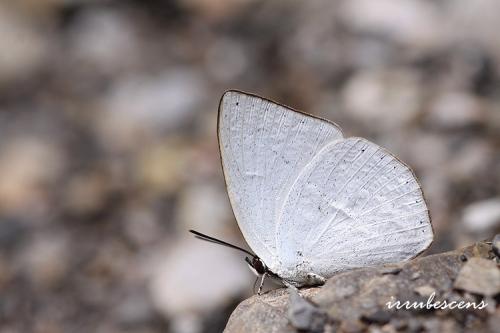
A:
(355, 301)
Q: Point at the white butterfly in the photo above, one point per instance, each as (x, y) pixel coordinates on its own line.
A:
(310, 202)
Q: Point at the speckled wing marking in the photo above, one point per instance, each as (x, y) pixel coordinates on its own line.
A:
(264, 146)
(354, 204)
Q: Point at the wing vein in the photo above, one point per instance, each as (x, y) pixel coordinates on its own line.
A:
(382, 187)
(264, 178)
(328, 179)
(328, 224)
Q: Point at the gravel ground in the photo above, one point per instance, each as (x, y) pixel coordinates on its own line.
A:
(108, 150)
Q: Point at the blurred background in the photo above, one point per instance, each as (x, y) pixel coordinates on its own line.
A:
(108, 148)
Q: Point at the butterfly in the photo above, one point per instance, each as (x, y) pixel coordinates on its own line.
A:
(310, 202)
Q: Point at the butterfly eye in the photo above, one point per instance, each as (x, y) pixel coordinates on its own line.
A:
(259, 265)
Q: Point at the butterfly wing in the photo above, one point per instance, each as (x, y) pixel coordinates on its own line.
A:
(353, 205)
(264, 146)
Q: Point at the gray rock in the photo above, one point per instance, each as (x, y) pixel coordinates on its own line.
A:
(355, 301)
(303, 315)
(261, 314)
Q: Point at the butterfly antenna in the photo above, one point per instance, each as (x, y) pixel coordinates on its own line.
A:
(207, 238)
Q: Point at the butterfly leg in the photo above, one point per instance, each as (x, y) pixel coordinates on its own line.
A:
(289, 285)
(259, 292)
(315, 279)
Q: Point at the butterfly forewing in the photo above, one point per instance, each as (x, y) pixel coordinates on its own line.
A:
(264, 146)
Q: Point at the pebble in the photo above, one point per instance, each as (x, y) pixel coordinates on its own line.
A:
(472, 158)
(481, 249)
(379, 317)
(494, 323)
(399, 323)
(135, 309)
(492, 304)
(350, 326)
(46, 260)
(28, 164)
(86, 193)
(482, 216)
(193, 270)
(496, 245)
(414, 325)
(99, 35)
(142, 226)
(478, 14)
(425, 290)
(389, 95)
(204, 207)
(479, 276)
(147, 105)
(432, 325)
(227, 60)
(417, 23)
(28, 47)
(162, 167)
(455, 110)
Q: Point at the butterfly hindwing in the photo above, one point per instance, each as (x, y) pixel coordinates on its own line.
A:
(353, 205)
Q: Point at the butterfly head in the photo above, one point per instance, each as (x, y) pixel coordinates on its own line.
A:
(257, 265)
